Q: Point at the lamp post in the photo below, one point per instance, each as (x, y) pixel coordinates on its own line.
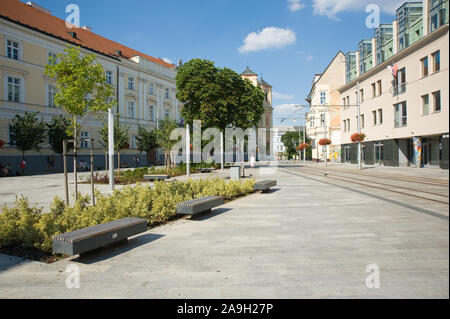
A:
(358, 102)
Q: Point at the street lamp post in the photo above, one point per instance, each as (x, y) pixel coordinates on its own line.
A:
(358, 102)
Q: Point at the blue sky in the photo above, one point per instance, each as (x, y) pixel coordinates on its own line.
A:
(302, 36)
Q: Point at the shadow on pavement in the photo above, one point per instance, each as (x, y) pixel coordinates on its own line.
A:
(7, 262)
(118, 249)
(208, 215)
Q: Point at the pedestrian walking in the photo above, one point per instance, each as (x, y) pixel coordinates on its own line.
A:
(137, 160)
(23, 166)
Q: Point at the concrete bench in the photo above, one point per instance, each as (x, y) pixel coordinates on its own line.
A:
(199, 205)
(90, 238)
(206, 170)
(156, 177)
(264, 186)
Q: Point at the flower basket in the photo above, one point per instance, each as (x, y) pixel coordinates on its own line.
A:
(356, 138)
(324, 141)
(2, 143)
(303, 147)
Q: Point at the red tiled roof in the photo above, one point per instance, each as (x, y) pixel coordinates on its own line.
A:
(42, 21)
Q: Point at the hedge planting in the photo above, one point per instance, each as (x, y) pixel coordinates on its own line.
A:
(29, 227)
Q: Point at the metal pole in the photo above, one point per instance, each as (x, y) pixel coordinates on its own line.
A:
(92, 172)
(304, 141)
(75, 159)
(66, 181)
(221, 152)
(358, 102)
(188, 151)
(111, 149)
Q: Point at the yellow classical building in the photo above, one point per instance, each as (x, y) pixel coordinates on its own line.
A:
(29, 36)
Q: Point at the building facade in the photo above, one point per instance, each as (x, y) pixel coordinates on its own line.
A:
(279, 150)
(29, 36)
(403, 93)
(266, 121)
(323, 119)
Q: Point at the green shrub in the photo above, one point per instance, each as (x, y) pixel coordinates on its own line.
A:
(27, 226)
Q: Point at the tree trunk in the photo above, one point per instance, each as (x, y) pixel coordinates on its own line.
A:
(75, 144)
(118, 163)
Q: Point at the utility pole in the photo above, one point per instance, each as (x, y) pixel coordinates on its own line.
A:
(188, 151)
(304, 141)
(111, 148)
(358, 102)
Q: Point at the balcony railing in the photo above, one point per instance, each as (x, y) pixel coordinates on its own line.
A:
(401, 88)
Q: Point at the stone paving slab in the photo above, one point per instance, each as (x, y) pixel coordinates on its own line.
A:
(304, 239)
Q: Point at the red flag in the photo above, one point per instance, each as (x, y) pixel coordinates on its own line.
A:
(394, 70)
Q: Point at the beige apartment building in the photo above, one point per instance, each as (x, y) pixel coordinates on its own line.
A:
(403, 91)
(29, 36)
(266, 121)
(323, 119)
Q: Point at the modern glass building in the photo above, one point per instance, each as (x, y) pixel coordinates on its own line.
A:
(410, 24)
(438, 14)
(351, 71)
(384, 36)
(365, 55)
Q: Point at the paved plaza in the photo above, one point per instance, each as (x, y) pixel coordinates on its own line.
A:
(310, 237)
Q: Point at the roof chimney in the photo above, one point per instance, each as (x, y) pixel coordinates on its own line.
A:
(87, 28)
(34, 5)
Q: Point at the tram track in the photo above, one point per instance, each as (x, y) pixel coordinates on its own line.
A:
(373, 185)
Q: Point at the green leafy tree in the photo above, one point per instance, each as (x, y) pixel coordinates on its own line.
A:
(58, 131)
(81, 89)
(28, 132)
(291, 141)
(166, 127)
(219, 97)
(147, 140)
(121, 138)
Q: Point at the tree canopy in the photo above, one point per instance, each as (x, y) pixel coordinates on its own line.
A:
(291, 140)
(28, 132)
(166, 126)
(219, 97)
(58, 131)
(80, 83)
(147, 140)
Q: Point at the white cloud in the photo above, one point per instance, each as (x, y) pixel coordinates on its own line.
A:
(295, 5)
(268, 38)
(285, 109)
(167, 60)
(309, 58)
(331, 8)
(282, 96)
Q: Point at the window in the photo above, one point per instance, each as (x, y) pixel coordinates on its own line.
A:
(51, 91)
(374, 91)
(348, 101)
(362, 121)
(345, 125)
(13, 89)
(312, 122)
(380, 116)
(323, 98)
(133, 143)
(12, 49)
(424, 63)
(267, 96)
(425, 104)
(436, 61)
(344, 101)
(83, 142)
(130, 83)
(434, 22)
(151, 113)
(348, 124)
(52, 58)
(151, 88)
(400, 114)
(380, 88)
(11, 139)
(361, 95)
(166, 93)
(166, 113)
(437, 101)
(401, 76)
(322, 119)
(131, 110)
(374, 118)
(109, 77)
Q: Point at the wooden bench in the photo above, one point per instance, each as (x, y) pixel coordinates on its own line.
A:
(264, 186)
(156, 177)
(199, 205)
(90, 238)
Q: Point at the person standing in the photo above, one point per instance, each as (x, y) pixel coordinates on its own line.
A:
(252, 161)
(23, 166)
(137, 160)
